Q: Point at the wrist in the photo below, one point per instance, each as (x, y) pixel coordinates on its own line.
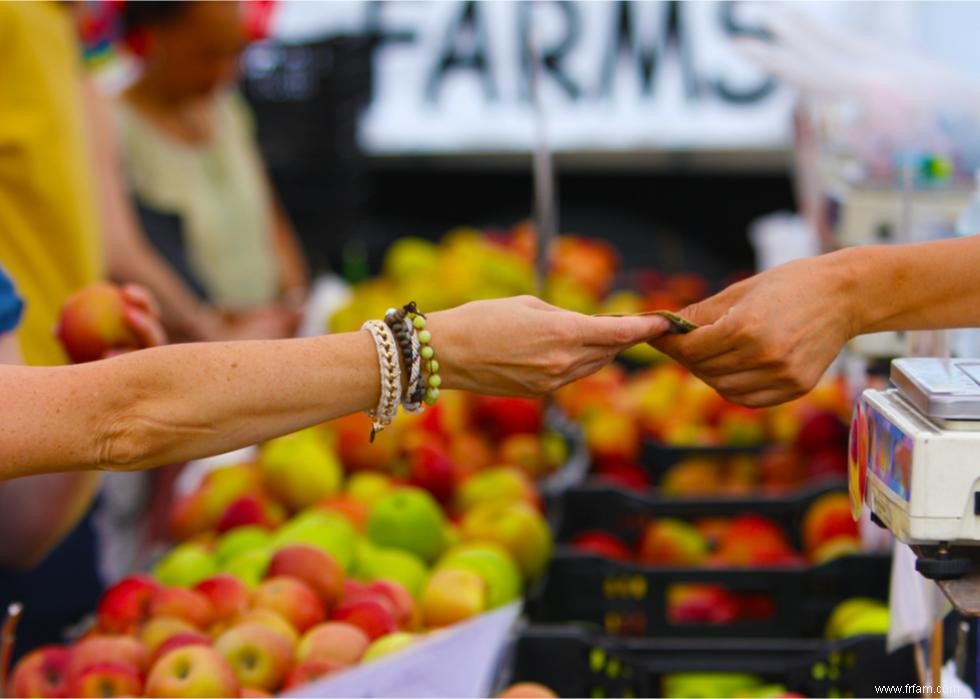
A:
(848, 288)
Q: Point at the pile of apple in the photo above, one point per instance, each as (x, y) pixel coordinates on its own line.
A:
(667, 405)
(828, 531)
(723, 685)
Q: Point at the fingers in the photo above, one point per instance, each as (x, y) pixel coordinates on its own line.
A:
(706, 343)
(622, 332)
(141, 297)
(146, 327)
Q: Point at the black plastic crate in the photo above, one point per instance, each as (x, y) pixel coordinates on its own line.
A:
(629, 599)
(577, 663)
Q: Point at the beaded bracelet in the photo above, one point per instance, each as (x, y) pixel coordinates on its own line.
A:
(427, 353)
(389, 363)
(408, 342)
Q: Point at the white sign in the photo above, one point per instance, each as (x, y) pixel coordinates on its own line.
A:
(454, 75)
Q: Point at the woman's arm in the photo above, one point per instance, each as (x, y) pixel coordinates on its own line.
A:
(181, 402)
(770, 338)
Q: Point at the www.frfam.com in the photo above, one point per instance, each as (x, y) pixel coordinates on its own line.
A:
(906, 689)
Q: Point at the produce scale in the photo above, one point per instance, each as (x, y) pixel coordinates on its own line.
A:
(915, 462)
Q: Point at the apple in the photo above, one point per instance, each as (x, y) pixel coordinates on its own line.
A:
(503, 483)
(821, 430)
(106, 678)
(338, 642)
(126, 604)
(524, 452)
(201, 510)
(612, 434)
(156, 632)
(249, 566)
(829, 517)
(871, 621)
(470, 452)
(781, 468)
(741, 426)
(368, 487)
(845, 612)
(251, 509)
(228, 595)
(827, 463)
(270, 619)
(308, 670)
(354, 510)
(493, 564)
(672, 542)
(182, 603)
(750, 536)
(328, 531)
(410, 519)
(835, 548)
(623, 473)
(253, 693)
(300, 469)
(374, 562)
(294, 599)
(386, 645)
(517, 527)
(406, 611)
(707, 684)
(452, 595)
(527, 690)
(41, 673)
(431, 469)
(700, 604)
(179, 640)
(192, 671)
(239, 540)
(503, 417)
(259, 656)
(185, 566)
(372, 615)
(354, 447)
(602, 544)
(695, 476)
(312, 566)
(93, 321)
(125, 650)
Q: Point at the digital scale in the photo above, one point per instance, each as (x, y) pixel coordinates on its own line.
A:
(914, 460)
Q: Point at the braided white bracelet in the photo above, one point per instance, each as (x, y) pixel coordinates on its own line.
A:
(389, 363)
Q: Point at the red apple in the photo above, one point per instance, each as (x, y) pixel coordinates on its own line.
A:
(313, 566)
(821, 430)
(192, 671)
(407, 614)
(42, 673)
(179, 640)
(672, 542)
(373, 616)
(107, 678)
(253, 693)
(126, 604)
(503, 417)
(751, 538)
(602, 544)
(308, 670)
(337, 642)
(527, 690)
(827, 463)
(354, 510)
(430, 468)
(623, 473)
(156, 632)
(91, 650)
(700, 604)
(259, 656)
(251, 509)
(829, 517)
(292, 598)
(93, 321)
(273, 620)
(229, 596)
(182, 603)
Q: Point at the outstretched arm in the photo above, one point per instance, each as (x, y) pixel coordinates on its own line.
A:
(770, 338)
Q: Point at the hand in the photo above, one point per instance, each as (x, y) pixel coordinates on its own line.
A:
(142, 316)
(525, 347)
(768, 339)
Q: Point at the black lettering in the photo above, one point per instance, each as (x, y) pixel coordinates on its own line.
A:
(465, 48)
(733, 28)
(550, 58)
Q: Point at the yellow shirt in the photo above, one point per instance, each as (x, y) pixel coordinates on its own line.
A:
(50, 239)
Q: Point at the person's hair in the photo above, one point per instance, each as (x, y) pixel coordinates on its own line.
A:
(141, 14)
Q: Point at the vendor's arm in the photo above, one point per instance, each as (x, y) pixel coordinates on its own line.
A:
(171, 404)
(770, 338)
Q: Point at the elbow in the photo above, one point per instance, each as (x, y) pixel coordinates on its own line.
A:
(124, 443)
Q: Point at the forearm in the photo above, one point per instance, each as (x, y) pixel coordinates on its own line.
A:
(914, 287)
(181, 402)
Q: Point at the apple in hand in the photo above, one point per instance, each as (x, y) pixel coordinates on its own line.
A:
(41, 673)
(452, 595)
(107, 678)
(293, 598)
(93, 322)
(126, 604)
(335, 641)
(259, 656)
(313, 566)
(192, 671)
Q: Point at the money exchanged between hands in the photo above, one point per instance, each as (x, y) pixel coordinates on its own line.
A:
(678, 324)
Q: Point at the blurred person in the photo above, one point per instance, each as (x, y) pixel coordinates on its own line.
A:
(187, 144)
(769, 339)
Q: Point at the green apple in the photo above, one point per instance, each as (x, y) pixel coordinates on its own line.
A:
(492, 563)
(239, 540)
(374, 562)
(869, 621)
(703, 685)
(408, 519)
(249, 566)
(301, 468)
(500, 483)
(185, 566)
(517, 527)
(846, 611)
(368, 487)
(328, 531)
(387, 645)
